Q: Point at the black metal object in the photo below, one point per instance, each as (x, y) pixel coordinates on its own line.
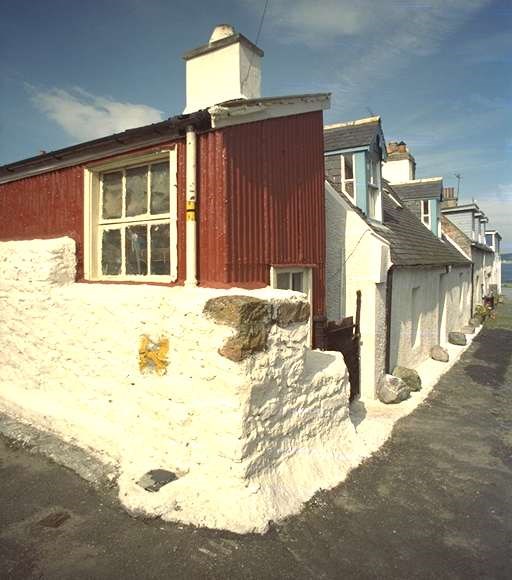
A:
(344, 336)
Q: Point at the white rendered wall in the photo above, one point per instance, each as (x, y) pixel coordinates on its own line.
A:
(335, 221)
(483, 273)
(365, 265)
(397, 171)
(433, 286)
(232, 72)
(251, 440)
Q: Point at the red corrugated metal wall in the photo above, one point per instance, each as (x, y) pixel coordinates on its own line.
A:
(51, 205)
(44, 206)
(262, 202)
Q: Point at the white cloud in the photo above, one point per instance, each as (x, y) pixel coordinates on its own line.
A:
(365, 41)
(85, 116)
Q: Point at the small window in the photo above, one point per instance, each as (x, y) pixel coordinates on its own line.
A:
(291, 280)
(425, 212)
(374, 187)
(347, 172)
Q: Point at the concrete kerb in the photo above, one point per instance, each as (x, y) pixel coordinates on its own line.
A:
(89, 467)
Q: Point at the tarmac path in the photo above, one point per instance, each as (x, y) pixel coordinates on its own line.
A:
(434, 502)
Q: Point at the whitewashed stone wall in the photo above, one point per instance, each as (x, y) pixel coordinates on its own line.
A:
(357, 259)
(432, 285)
(250, 441)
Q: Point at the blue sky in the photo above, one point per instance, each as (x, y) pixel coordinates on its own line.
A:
(439, 72)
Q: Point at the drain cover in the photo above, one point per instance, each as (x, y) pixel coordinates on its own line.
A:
(156, 478)
(54, 520)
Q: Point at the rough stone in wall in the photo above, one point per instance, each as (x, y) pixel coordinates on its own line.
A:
(457, 338)
(252, 319)
(392, 390)
(410, 377)
(439, 353)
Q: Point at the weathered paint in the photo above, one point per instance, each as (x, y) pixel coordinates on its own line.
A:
(45, 206)
(262, 202)
(361, 180)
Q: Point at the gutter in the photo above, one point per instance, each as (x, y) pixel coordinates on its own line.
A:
(191, 197)
(109, 146)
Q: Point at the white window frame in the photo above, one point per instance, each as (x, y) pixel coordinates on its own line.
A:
(374, 184)
(93, 227)
(344, 179)
(425, 216)
(308, 282)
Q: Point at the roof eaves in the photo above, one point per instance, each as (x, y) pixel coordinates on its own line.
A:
(117, 143)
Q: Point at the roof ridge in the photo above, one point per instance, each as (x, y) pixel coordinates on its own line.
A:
(365, 120)
(416, 181)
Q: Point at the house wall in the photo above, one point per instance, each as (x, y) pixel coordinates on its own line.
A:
(464, 221)
(418, 297)
(483, 273)
(265, 433)
(260, 203)
(52, 204)
(365, 264)
(335, 282)
(263, 184)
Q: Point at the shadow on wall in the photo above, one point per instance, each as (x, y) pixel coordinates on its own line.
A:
(494, 349)
(357, 413)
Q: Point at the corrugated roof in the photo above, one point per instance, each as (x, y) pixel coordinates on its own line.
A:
(420, 189)
(351, 135)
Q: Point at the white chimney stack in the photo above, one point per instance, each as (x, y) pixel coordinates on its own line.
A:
(400, 165)
(227, 68)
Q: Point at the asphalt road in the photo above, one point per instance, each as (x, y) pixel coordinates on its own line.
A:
(435, 502)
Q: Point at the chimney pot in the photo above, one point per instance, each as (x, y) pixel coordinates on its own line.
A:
(222, 31)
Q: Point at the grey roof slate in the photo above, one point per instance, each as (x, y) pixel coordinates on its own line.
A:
(351, 135)
(419, 190)
(411, 243)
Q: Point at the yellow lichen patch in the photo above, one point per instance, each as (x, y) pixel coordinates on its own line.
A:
(153, 355)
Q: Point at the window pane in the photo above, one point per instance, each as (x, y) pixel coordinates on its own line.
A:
(349, 188)
(136, 191)
(160, 188)
(112, 195)
(349, 170)
(298, 282)
(136, 250)
(160, 263)
(283, 281)
(111, 252)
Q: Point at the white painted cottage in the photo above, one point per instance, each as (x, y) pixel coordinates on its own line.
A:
(415, 286)
(466, 225)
